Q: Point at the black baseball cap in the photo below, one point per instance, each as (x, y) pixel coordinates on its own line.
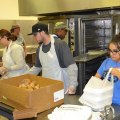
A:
(38, 27)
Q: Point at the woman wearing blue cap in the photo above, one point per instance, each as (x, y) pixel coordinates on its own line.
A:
(53, 57)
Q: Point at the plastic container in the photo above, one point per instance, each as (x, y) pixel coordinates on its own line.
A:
(96, 103)
(97, 88)
(97, 93)
(71, 112)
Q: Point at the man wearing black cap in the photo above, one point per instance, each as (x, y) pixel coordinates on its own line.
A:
(53, 57)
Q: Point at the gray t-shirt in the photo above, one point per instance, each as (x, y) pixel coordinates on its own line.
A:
(62, 51)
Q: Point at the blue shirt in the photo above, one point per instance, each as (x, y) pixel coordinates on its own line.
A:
(109, 63)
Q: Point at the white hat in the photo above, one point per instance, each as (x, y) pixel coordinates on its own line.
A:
(15, 26)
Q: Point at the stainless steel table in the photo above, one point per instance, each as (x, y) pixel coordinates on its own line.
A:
(69, 99)
(72, 99)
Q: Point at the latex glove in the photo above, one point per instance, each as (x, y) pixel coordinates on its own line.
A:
(71, 90)
(3, 70)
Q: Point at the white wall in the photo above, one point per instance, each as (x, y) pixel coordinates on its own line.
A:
(9, 15)
(26, 27)
(9, 9)
(6, 24)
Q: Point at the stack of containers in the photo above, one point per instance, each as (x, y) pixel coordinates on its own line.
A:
(98, 93)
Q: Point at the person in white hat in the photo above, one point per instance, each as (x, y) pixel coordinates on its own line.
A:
(15, 30)
(53, 57)
(60, 30)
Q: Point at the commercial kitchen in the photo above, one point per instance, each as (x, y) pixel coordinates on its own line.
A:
(92, 38)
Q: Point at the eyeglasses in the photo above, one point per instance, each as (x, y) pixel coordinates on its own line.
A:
(114, 52)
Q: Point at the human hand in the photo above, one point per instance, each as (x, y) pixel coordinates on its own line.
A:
(116, 72)
(71, 90)
(3, 70)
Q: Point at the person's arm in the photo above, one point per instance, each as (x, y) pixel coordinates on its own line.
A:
(38, 67)
(102, 69)
(72, 71)
(17, 55)
(34, 70)
(24, 47)
(97, 75)
(66, 61)
(23, 43)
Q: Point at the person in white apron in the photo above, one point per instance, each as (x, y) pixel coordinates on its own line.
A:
(50, 64)
(13, 56)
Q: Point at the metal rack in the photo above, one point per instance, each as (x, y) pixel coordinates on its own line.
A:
(96, 33)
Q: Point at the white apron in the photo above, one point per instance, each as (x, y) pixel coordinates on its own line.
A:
(7, 62)
(50, 65)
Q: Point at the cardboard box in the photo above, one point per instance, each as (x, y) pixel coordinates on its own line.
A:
(50, 93)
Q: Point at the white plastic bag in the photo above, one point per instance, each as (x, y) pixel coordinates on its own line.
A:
(71, 112)
(98, 93)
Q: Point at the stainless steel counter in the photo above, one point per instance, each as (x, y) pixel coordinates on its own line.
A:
(69, 99)
(89, 56)
(73, 99)
(88, 65)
